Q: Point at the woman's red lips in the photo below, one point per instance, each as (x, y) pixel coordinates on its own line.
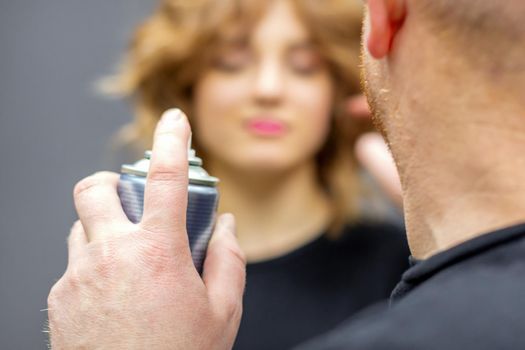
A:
(266, 127)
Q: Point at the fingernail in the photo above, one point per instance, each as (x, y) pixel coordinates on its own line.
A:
(170, 118)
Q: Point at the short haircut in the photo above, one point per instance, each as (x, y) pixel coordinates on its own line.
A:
(486, 30)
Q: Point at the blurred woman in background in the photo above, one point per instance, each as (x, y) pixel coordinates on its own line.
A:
(264, 84)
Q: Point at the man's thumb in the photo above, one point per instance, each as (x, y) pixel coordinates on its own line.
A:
(225, 267)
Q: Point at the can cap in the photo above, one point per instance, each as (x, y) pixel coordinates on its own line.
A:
(196, 174)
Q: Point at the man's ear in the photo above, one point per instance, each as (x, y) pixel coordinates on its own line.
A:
(386, 18)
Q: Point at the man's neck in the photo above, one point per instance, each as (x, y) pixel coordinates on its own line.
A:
(275, 212)
(466, 174)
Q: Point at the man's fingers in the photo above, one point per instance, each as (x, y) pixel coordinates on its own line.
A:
(372, 152)
(76, 241)
(98, 204)
(225, 267)
(166, 193)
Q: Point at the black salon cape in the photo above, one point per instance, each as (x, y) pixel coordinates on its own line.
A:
(311, 290)
(469, 297)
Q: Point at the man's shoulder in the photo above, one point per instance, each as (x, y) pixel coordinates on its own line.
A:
(474, 304)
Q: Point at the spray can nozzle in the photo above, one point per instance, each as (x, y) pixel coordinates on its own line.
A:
(191, 151)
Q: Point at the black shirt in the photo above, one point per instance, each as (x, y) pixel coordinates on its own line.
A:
(469, 297)
(309, 291)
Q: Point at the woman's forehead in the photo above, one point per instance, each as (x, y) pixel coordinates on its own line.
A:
(278, 24)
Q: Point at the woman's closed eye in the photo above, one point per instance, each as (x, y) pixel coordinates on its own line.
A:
(232, 59)
(305, 61)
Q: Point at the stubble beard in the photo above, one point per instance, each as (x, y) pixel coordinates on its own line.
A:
(371, 83)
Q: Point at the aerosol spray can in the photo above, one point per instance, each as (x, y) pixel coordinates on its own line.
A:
(202, 201)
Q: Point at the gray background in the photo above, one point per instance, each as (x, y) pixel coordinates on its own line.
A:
(54, 130)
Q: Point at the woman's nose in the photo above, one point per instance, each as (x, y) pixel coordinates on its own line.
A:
(269, 82)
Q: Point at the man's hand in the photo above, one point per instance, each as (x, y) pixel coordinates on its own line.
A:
(134, 286)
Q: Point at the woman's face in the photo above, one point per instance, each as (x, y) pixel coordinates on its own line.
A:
(265, 102)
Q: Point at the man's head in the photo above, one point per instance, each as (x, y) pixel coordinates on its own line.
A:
(446, 81)
(426, 55)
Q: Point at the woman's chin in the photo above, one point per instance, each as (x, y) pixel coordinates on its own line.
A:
(260, 162)
(265, 165)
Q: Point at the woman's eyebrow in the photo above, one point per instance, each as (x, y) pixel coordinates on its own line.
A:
(234, 41)
(306, 44)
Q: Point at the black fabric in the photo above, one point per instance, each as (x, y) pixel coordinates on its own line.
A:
(313, 289)
(469, 297)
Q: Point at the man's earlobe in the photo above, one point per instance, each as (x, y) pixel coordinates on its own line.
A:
(385, 19)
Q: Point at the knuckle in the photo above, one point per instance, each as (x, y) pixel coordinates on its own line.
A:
(77, 227)
(241, 260)
(105, 175)
(173, 146)
(231, 246)
(94, 181)
(237, 254)
(74, 277)
(105, 259)
(54, 294)
(78, 275)
(168, 173)
(85, 185)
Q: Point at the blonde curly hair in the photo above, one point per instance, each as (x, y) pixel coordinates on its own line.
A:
(173, 46)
